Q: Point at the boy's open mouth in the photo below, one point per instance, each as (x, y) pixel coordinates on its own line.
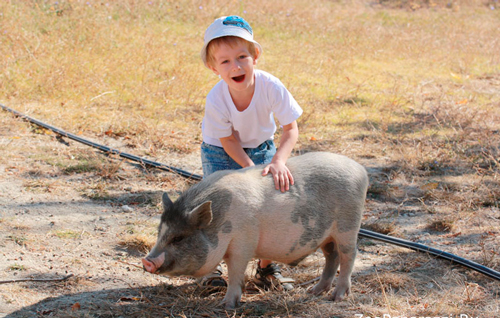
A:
(239, 79)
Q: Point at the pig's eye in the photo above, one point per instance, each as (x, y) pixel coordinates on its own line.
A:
(176, 239)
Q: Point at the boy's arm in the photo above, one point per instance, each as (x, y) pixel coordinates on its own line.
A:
(234, 149)
(282, 176)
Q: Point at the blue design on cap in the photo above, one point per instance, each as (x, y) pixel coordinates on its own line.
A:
(239, 22)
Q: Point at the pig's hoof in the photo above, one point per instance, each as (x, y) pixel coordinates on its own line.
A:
(320, 288)
(338, 295)
(230, 305)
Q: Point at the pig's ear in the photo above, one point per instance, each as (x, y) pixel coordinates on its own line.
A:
(167, 203)
(201, 216)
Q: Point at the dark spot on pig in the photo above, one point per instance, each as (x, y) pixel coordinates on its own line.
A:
(221, 201)
(294, 245)
(316, 212)
(227, 227)
(212, 234)
(348, 215)
(328, 248)
(331, 259)
(213, 239)
(349, 222)
(335, 255)
(330, 252)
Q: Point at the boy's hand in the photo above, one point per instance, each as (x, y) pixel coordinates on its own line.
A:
(282, 176)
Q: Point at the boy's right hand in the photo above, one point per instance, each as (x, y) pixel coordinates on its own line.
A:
(282, 176)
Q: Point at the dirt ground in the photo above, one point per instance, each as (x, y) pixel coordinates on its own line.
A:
(96, 224)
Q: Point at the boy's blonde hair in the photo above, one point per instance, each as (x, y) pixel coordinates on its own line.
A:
(230, 41)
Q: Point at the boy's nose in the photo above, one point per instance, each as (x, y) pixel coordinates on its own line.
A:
(236, 66)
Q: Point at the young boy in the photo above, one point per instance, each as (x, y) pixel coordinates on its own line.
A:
(238, 127)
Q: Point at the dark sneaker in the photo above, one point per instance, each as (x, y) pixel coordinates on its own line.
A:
(215, 279)
(270, 278)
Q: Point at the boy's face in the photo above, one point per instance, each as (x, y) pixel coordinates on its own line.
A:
(235, 64)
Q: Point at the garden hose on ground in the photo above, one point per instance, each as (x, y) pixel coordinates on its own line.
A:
(362, 232)
(430, 250)
(105, 149)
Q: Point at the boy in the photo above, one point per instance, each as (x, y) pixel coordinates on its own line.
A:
(238, 127)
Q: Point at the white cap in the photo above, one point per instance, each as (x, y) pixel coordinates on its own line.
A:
(228, 26)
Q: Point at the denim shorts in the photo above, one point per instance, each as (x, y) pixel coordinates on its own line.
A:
(214, 158)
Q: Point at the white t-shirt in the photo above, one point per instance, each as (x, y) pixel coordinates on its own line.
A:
(255, 124)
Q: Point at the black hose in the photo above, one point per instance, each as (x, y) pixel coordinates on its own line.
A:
(422, 248)
(362, 232)
(142, 161)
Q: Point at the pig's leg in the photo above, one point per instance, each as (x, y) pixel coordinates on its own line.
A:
(331, 266)
(347, 252)
(237, 258)
(236, 274)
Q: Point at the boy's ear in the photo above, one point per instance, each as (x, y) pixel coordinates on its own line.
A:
(257, 55)
(213, 69)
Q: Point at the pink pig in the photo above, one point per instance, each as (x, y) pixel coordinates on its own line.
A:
(238, 215)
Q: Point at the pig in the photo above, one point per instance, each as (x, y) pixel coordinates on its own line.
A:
(237, 215)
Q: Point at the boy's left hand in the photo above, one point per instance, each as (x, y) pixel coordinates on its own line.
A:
(283, 178)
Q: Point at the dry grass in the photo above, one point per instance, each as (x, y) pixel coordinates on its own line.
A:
(411, 89)
(138, 243)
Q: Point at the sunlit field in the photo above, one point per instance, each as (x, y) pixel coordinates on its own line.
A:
(410, 89)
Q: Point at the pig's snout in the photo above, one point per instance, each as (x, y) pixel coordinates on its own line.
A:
(148, 265)
(153, 264)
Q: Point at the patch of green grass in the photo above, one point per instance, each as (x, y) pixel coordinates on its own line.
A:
(81, 167)
(18, 239)
(17, 267)
(67, 234)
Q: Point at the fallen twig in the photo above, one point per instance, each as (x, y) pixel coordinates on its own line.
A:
(130, 264)
(310, 281)
(36, 280)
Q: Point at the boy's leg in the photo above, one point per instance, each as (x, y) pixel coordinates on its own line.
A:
(263, 154)
(214, 158)
(269, 277)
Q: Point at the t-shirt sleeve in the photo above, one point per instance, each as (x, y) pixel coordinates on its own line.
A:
(284, 106)
(217, 123)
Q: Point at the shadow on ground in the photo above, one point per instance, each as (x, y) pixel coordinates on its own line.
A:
(192, 300)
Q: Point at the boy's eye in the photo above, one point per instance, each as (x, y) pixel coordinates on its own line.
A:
(242, 56)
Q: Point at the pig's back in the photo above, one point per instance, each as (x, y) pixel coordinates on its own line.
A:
(318, 176)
